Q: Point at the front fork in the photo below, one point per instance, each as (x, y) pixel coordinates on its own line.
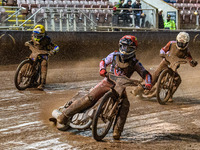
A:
(171, 85)
(116, 106)
(28, 71)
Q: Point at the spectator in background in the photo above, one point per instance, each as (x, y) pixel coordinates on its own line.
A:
(169, 24)
(127, 13)
(138, 14)
(160, 19)
(117, 13)
(118, 5)
(4, 2)
(10, 2)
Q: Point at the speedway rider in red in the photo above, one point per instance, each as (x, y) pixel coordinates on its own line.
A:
(123, 62)
(178, 48)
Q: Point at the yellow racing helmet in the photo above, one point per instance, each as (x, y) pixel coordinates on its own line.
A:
(38, 32)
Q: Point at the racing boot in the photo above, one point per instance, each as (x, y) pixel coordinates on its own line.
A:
(116, 134)
(77, 106)
(170, 100)
(41, 86)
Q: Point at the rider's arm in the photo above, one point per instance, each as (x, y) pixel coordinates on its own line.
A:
(104, 63)
(148, 80)
(165, 50)
(144, 74)
(192, 62)
(54, 48)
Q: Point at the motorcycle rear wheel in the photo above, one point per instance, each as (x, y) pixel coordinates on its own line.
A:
(82, 124)
(163, 87)
(102, 122)
(23, 75)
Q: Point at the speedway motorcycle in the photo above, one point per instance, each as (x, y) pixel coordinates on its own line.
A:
(91, 117)
(109, 107)
(162, 90)
(28, 72)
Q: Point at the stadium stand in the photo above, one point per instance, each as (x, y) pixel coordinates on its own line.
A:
(32, 6)
(188, 9)
(74, 12)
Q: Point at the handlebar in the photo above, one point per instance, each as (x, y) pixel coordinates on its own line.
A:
(122, 80)
(37, 51)
(174, 59)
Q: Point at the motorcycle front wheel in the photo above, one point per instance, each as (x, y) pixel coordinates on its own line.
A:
(164, 87)
(23, 75)
(103, 118)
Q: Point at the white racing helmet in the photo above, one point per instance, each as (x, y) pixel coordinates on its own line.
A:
(182, 39)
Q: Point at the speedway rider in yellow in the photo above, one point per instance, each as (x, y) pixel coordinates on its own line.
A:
(41, 41)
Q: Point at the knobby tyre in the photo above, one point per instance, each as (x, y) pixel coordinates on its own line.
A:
(23, 75)
(102, 122)
(163, 87)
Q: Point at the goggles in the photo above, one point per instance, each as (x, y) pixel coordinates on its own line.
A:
(37, 36)
(125, 49)
(182, 45)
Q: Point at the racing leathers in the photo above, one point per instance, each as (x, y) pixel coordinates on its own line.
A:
(171, 50)
(44, 44)
(118, 68)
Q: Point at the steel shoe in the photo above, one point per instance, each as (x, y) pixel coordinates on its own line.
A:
(62, 122)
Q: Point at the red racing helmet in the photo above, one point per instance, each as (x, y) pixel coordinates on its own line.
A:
(127, 46)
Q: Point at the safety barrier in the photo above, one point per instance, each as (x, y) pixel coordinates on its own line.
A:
(77, 46)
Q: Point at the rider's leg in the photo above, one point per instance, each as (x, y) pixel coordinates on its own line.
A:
(163, 65)
(75, 107)
(87, 101)
(44, 66)
(137, 21)
(121, 118)
(175, 87)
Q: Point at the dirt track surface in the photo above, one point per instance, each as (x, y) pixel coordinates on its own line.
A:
(24, 114)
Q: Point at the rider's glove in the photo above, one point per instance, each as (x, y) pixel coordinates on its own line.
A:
(103, 72)
(148, 86)
(51, 53)
(27, 44)
(54, 51)
(162, 55)
(193, 63)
